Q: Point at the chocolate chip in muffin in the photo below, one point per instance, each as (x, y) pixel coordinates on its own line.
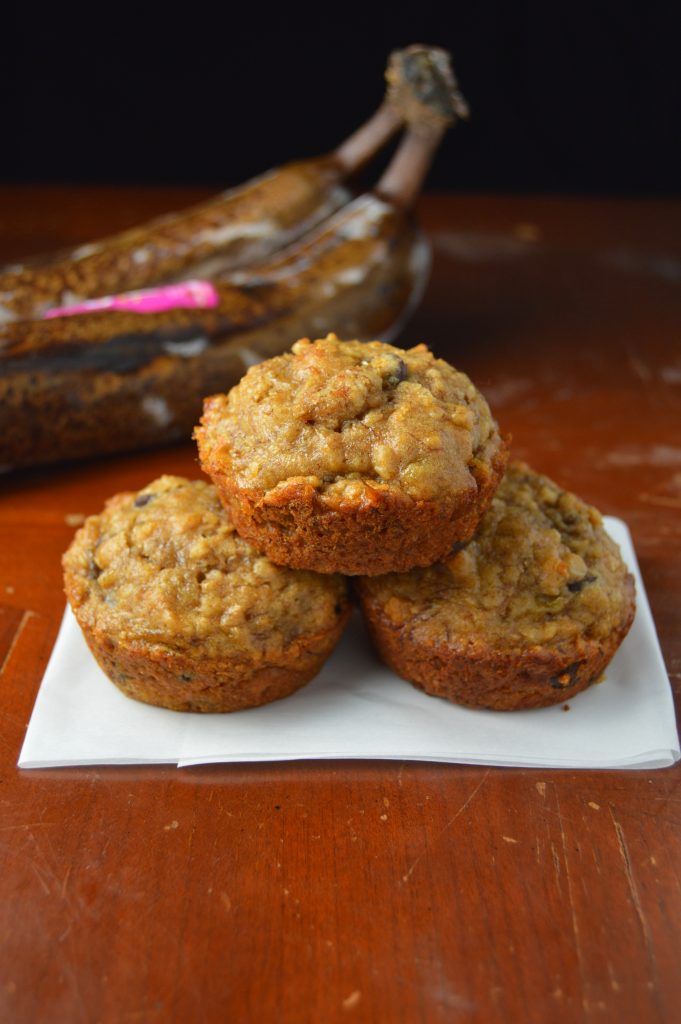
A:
(566, 678)
(576, 585)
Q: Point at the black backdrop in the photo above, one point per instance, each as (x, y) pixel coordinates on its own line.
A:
(580, 97)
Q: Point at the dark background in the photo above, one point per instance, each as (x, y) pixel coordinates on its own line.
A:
(580, 97)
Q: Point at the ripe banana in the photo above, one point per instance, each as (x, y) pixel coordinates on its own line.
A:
(109, 380)
(238, 227)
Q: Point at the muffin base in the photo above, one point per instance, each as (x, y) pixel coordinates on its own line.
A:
(295, 527)
(476, 676)
(181, 683)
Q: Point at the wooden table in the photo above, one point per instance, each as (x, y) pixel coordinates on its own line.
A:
(376, 892)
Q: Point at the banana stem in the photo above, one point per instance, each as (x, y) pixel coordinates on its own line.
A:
(403, 178)
(422, 92)
(364, 143)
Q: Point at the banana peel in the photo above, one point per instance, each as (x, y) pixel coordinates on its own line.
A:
(77, 381)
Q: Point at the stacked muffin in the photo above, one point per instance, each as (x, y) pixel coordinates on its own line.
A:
(350, 459)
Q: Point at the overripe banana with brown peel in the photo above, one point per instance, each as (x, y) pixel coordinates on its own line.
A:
(108, 381)
(241, 226)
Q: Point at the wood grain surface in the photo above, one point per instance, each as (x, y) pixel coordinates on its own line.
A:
(390, 893)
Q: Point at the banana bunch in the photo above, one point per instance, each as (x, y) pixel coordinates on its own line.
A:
(113, 345)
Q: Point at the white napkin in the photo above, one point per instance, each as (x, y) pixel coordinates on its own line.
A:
(357, 708)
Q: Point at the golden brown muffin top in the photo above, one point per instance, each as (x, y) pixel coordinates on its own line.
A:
(165, 567)
(541, 570)
(341, 414)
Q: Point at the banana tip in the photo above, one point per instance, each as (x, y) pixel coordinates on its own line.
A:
(421, 81)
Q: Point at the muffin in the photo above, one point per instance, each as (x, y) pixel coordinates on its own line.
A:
(353, 457)
(527, 614)
(180, 612)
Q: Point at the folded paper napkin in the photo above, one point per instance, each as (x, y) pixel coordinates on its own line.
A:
(357, 708)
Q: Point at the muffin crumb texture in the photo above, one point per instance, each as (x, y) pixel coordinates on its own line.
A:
(529, 611)
(353, 457)
(164, 588)
(341, 414)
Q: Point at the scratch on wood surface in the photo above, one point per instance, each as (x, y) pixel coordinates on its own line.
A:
(633, 889)
(65, 881)
(596, 1004)
(541, 788)
(34, 867)
(15, 639)
(557, 814)
(142, 1015)
(73, 977)
(45, 870)
(464, 805)
(351, 1001)
(659, 499)
(556, 862)
(614, 983)
(573, 912)
(29, 824)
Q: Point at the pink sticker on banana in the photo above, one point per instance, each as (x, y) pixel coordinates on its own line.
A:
(183, 295)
